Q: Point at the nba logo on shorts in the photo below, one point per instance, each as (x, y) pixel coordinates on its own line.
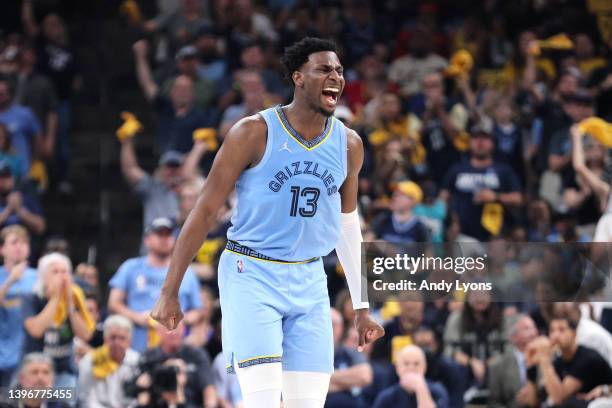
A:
(240, 265)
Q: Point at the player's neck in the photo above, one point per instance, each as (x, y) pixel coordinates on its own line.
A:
(306, 121)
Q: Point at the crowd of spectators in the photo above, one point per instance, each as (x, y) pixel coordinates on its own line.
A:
(482, 151)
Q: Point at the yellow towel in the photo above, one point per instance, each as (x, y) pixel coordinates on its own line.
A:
(153, 338)
(208, 135)
(599, 129)
(397, 344)
(78, 299)
(556, 42)
(38, 173)
(462, 141)
(390, 309)
(208, 251)
(407, 128)
(461, 63)
(102, 363)
(131, 10)
(492, 218)
(130, 126)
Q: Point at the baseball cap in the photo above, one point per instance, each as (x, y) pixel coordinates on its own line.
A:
(158, 224)
(5, 169)
(411, 189)
(186, 52)
(481, 129)
(171, 158)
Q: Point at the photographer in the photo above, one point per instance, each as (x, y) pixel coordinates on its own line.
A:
(164, 387)
(192, 368)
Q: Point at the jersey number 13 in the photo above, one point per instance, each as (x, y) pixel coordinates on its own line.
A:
(309, 207)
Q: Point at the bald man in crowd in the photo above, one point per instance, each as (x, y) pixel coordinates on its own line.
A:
(413, 390)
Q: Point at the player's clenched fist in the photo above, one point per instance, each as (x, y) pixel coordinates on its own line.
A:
(167, 311)
(369, 331)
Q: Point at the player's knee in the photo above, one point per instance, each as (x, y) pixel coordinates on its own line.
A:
(261, 377)
(305, 385)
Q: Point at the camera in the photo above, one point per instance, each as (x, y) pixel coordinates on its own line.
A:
(165, 379)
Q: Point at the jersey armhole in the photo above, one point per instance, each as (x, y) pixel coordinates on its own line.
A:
(344, 147)
(267, 151)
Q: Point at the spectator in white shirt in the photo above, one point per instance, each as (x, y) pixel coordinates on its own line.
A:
(103, 371)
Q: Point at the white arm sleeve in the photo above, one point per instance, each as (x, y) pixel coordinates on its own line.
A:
(348, 250)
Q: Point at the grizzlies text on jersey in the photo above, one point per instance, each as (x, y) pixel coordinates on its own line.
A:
(289, 203)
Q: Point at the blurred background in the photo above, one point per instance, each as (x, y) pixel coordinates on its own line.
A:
(482, 121)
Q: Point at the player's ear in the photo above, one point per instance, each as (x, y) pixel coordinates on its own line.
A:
(298, 79)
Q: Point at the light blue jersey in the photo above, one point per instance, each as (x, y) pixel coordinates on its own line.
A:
(289, 204)
(11, 317)
(142, 282)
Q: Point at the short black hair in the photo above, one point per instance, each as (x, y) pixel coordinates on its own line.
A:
(297, 54)
(572, 321)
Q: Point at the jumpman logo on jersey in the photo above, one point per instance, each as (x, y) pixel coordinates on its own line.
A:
(285, 147)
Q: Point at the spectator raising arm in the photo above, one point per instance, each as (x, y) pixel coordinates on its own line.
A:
(27, 18)
(48, 143)
(189, 169)
(132, 172)
(530, 75)
(599, 186)
(436, 109)
(143, 70)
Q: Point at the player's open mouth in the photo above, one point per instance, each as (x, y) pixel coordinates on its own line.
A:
(331, 95)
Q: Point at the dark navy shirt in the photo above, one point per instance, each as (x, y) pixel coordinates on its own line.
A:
(29, 202)
(396, 396)
(56, 342)
(509, 147)
(389, 229)
(463, 181)
(176, 132)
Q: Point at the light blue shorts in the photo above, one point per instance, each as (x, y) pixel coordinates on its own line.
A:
(275, 312)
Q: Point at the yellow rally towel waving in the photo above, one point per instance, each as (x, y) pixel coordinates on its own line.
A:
(461, 63)
(207, 135)
(556, 42)
(131, 126)
(597, 128)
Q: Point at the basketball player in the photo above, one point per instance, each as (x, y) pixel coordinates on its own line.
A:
(295, 169)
